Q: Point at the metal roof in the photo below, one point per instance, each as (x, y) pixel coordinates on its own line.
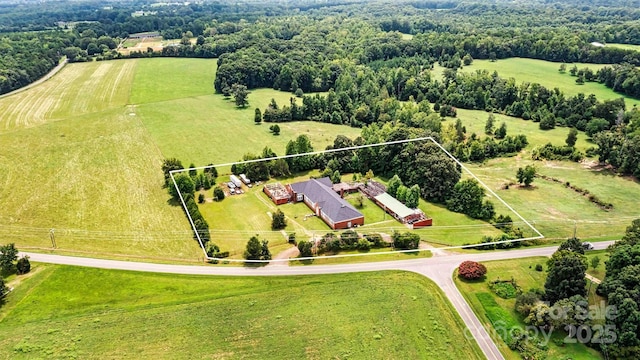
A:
(394, 205)
(319, 192)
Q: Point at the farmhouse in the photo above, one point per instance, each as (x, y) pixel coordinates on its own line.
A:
(319, 196)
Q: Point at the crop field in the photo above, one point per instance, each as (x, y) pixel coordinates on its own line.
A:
(77, 90)
(141, 45)
(60, 312)
(546, 74)
(492, 309)
(82, 154)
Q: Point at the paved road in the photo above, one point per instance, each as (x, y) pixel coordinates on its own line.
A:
(439, 269)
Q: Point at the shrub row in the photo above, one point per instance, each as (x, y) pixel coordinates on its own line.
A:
(584, 192)
(551, 152)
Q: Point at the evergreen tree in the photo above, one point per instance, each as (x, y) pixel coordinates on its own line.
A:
(572, 137)
(488, 127)
(257, 118)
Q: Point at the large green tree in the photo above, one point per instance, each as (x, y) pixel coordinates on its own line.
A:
(240, 95)
(169, 165)
(8, 255)
(278, 220)
(566, 276)
(185, 184)
(467, 198)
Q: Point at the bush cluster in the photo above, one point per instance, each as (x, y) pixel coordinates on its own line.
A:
(551, 152)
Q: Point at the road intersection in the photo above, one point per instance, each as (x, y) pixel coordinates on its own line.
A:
(439, 269)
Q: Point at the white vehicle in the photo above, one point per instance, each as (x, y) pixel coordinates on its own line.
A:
(587, 246)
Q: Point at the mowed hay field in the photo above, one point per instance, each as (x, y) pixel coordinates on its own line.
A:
(546, 74)
(82, 154)
(204, 128)
(60, 312)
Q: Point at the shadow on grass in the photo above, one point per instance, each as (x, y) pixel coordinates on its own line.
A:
(474, 281)
(306, 261)
(255, 265)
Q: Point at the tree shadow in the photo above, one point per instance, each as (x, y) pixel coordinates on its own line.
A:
(252, 265)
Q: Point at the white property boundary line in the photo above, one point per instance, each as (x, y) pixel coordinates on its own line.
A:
(184, 206)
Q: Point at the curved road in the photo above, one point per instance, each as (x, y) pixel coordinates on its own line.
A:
(439, 269)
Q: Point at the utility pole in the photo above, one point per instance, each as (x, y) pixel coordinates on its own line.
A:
(52, 235)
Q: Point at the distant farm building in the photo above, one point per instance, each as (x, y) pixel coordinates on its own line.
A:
(320, 197)
(144, 35)
(278, 193)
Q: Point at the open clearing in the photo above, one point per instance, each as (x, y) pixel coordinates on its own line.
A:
(624, 46)
(546, 74)
(61, 312)
(81, 154)
(491, 308)
(552, 206)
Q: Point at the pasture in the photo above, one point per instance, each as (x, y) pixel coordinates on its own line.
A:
(558, 211)
(82, 154)
(555, 209)
(624, 46)
(497, 312)
(60, 312)
(546, 74)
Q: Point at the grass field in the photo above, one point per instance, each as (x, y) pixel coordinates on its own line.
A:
(82, 154)
(197, 126)
(556, 210)
(475, 120)
(552, 206)
(61, 312)
(546, 73)
(624, 46)
(492, 309)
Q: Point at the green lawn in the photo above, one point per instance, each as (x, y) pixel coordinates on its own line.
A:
(492, 309)
(73, 312)
(546, 74)
(600, 271)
